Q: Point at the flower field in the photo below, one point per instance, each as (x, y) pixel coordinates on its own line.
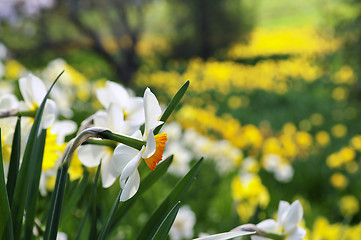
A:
(274, 120)
(293, 119)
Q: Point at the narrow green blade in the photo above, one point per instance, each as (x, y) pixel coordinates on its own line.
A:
(14, 161)
(6, 231)
(92, 197)
(53, 201)
(165, 226)
(145, 184)
(75, 196)
(57, 198)
(104, 231)
(172, 105)
(26, 171)
(178, 191)
(33, 192)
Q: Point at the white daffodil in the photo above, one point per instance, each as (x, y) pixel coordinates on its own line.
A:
(7, 125)
(132, 107)
(287, 222)
(33, 91)
(127, 159)
(90, 155)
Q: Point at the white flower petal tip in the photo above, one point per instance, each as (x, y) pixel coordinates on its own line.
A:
(152, 111)
(49, 114)
(131, 186)
(298, 234)
(226, 235)
(293, 216)
(289, 216)
(32, 89)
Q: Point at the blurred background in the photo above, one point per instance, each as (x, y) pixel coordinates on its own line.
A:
(273, 103)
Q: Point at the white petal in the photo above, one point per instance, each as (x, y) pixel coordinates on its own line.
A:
(130, 168)
(137, 135)
(61, 236)
(268, 225)
(109, 175)
(32, 89)
(298, 234)
(103, 97)
(49, 114)
(9, 101)
(115, 117)
(100, 119)
(123, 154)
(118, 93)
(113, 93)
(135, 111)
(151, 145)
(152, 110)
(282, 210)
(131, 186)
(90, 155)
(62, 129)
(293, 216)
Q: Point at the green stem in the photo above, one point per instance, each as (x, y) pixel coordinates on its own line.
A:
(103, 133)
(131, 142)
(28, 113)
(104, 142)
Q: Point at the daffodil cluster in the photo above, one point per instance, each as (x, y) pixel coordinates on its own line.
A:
(182, 145)
(124, 114)
(275, 151)
(33, 90)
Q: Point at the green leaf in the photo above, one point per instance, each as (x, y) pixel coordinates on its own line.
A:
(145, 184)
(92, 197)
(6, 231)
(172, 105)
(111, 214)
(165, 226)
(33, 192)
(75, 195)
(57, 198)
(132, 142)
(27, 170)
(178, 191)
(14, 161)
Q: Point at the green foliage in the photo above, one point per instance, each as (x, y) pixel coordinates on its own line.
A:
(33, 192)
(6, 230)
(167, 223)
(177, 193)
(26, 174)
(14, 161)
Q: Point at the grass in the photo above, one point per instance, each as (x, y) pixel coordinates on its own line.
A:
(273, 14)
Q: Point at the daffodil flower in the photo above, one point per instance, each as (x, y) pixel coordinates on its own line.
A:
(7, 125)
(33, 91)
(287, 222)
(131, 106)
(90, 155)
(127, 159)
